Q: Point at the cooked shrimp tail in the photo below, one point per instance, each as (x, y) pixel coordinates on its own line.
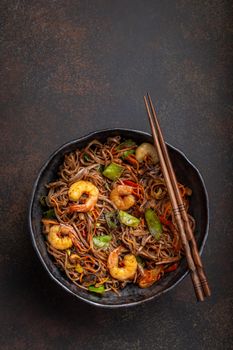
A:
(127, 272)
(79, 188)
(122, 196)
(149, 277)
(58, 236)
(145, 150)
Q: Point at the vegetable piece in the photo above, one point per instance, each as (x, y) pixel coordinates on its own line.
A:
(131, 159)
(79, 268)
(126, 144)
(150, 277)
(99, 290)
(130, 183)
(101, 168)
(140, 261)
(153, 223)
(86, 157)
(146, 149)
(111, 219)
(102, 241)
(166, 222)
(43, 201)
(127, 219)
(137, 188)
(49, 214)
(172, 267)
(158, 193)
(127, 153)
(113, 171)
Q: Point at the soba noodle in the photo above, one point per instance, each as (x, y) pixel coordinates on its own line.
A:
(85, 262)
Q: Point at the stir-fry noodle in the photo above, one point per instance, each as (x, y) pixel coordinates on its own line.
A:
(108, 220)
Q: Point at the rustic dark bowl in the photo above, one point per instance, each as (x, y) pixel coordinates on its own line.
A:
(186, 173)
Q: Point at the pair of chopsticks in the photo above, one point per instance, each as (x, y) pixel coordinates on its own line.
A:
(198, 276)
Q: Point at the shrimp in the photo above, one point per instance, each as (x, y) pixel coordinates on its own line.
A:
(77, 189)
(122, 197)
(149, 277)
(58, 236)
(146, 149)
(122, 273)
(47, 224)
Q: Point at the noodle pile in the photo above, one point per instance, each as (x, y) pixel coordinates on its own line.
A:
(86, 264)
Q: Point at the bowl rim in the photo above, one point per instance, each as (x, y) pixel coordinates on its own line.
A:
(32, 235)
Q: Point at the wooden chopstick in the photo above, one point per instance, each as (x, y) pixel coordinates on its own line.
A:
(193, 271)
(188, 230)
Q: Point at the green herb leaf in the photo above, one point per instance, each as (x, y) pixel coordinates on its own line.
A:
(86, 157)
(49, 214)
(126, 144)
(43, 201)
(101, 168)
(127, 153)
(140, 261)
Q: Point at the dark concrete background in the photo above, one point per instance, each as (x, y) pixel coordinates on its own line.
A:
(70, 67)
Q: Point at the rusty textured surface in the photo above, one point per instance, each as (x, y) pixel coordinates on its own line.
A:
(70, 66)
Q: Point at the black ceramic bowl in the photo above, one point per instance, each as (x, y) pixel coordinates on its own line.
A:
(186, 173)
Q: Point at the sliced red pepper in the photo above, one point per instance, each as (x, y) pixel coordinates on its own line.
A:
(138, 188)
(130, 183)
(173, 267)
(166, 222)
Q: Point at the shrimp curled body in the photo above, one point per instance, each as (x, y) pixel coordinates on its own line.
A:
(150, 277)
(58, 236)
(144, 150)
(122, 197)
(122, 273)
(77, 189)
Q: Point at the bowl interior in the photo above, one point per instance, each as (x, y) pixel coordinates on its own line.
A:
(185, 172)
